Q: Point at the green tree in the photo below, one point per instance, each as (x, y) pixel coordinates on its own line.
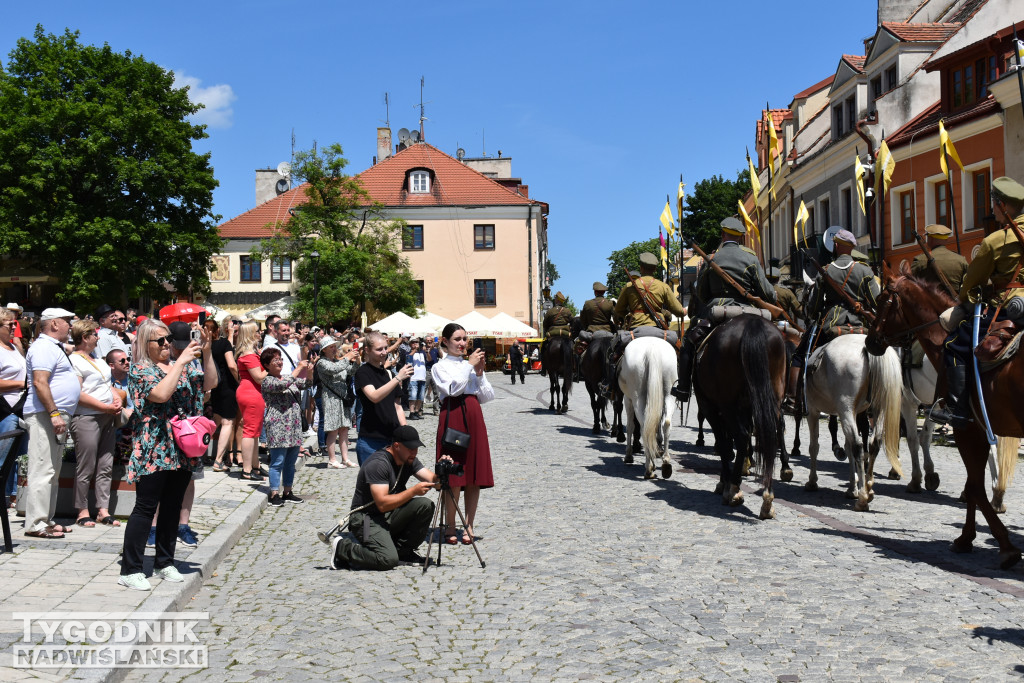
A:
(711, 201)
(99, 185)
(628, 258)
(552, 271)
(360, 259)
(573, 308)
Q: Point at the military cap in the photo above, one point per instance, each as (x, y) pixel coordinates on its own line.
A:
(734, 226)
(1008, 189)
(559, 298)
(635, 273)
(846, 237)
(859, 256)
(939, 232)
(648, 259)
(773, 273)
(599, 287)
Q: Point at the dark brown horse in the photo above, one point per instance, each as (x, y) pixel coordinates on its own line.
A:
(910, 306)
(592, 367)
(557, 359)
(739, 382)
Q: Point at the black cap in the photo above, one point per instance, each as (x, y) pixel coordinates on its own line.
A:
(407, 436)
(181, 334)
(103, 310)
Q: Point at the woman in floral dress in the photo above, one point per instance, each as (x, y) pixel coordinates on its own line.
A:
(333, 374)
(283, 422)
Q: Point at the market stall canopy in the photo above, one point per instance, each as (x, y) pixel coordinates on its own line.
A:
(25, 275)
(476, 324)
(281, 307)
(504, 325)
(395, 324)
(431, 322)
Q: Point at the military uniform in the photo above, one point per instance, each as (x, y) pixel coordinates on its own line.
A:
(557, 322)
(788, 301)
(597, 312)
(952, 265)
(856, 280)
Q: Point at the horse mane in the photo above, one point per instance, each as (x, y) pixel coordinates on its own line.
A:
(933, 289)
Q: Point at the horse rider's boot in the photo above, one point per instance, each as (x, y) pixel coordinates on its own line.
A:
(681, 390)
(958, 400)
(791, 402)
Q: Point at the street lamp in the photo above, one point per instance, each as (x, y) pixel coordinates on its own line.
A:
(316, 292)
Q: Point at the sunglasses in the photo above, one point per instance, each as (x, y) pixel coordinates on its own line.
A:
(166, 339)
(117, 320)
(122, 361)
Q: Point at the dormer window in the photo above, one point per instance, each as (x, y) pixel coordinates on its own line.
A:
(419, 182)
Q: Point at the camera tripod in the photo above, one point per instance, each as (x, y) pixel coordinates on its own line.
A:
(441, 521)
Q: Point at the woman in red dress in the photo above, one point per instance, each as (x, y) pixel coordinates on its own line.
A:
(250, 398)
(462, 387)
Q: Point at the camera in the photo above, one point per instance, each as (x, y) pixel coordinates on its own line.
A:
(448, 468)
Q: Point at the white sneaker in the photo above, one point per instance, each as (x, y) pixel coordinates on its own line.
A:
(336, 562)
(137, 582)
(170, 573)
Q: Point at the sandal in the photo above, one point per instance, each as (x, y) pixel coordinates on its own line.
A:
(335, 465)
(252, 476)
(61, 529)
(349, 463)
(108, 520)
(87, 522)
(451, 536)
(468, 537)
(45, 533)
(218, 467)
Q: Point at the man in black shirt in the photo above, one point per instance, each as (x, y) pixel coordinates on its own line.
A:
(389, 520)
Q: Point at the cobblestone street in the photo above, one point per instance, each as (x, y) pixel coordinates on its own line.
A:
(594, 573)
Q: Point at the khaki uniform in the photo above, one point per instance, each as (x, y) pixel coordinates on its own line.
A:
(951, 264)
(557, 321)
(856, 279)
(996, 260)
(788, 302)
(630, 312)
(596, 315)
(742, 264)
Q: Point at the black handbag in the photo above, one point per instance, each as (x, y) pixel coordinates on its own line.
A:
(6, 409)
(453, 441)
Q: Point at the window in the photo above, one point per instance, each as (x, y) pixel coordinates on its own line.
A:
(419, 293)
(281, 270)
(837, 121)
(412, 238)
(987, 71)
(419, 181)
(906, 200)
(483, 237)
(941, 203)
(484, 293)
(958, 88)
(981, 184)
(851, 113)
(846, 197)
(962, 85)
(250, 268)
(826, 217)
(809, 228)
(876, 87)
(890, 78)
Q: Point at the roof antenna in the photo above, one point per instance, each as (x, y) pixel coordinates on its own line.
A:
(483, 138)
(387, 111)
(422, 116)
(293, 145)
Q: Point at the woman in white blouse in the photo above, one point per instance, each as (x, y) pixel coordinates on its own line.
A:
(462, 387)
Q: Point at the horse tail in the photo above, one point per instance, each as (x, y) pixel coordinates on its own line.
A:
(886, 382)
(1007, 447)
(764, 404)
(651, 374)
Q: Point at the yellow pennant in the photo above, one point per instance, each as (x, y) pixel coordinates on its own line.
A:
(773, 146)
(946, 147)
(884, 166)
(666, 219)
(858, 173)
(751, 225)
(755, 182)
(801, 219)
(679, 204)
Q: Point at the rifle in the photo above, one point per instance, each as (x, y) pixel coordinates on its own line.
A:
(776, 311)
(931, 264)
(640, 292)
(857, 308)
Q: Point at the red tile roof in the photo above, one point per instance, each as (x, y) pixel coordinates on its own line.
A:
(921, 33)
(452, 184)
(927, 122)
(821, 85)
(856, 61)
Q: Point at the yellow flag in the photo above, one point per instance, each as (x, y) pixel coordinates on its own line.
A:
(884, 166)
(666, 219)
(858, 173)
(946, 147)
(773, 146)
(801, 219)
(755, 183)
(679, 205)
(751, 225)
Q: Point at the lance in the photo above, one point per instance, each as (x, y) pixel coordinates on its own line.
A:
(952, 204)
(771, 184)
(934, 266)
(881, 214)
(1020, 68)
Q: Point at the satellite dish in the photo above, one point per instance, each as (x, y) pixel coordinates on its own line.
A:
(461, 154)
(829, 239)
(414, 135)
(403, 134)
(282, 186)
(284, 169)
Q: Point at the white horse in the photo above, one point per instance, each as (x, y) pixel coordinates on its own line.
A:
(1002, 458)
(843, 379)
(646, 375)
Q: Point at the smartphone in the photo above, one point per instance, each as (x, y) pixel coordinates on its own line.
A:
(478, 344)
(196, 336)
(202, 318)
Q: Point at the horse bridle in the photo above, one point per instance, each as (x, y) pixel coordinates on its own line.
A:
(904, 338)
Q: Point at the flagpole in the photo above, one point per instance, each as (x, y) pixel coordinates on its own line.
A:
(1020, 68)
(881, 208)
(952, 205)
(771, 186)
(871, 214)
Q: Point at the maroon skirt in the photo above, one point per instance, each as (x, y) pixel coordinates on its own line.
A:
(477, 459)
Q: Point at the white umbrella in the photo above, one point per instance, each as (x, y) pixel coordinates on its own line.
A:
(476, 324)
(394, 325)
(281, 307)
(504, 325)
(431, 323)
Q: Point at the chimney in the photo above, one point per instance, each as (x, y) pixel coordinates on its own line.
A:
(896, 10)
(383, 143)
(269, 184)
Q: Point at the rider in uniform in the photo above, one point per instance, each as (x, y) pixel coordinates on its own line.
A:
(556, 323)
(854, 278)
(951, 264)
(742, 264)
(630, 313)
(996, 261)
(597, 312)
(785, 296)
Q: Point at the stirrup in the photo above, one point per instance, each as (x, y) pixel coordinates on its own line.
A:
(791, 406)
(680, 393)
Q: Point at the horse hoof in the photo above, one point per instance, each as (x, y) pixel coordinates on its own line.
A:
(811, 486)
(997, 502)
(620, 437)
(595, 430)
(839, 453)
(666, 470)
(795, 453)
(931, 481)
(960, 546)
(1009, 558)
(628, 459)
(649, 474)
(914, 486)
(767, 511)
(719, 489)
(786, 475)
(871, 495)
(861, 505)
(700, 442)
(893, 475)
(736, 500)
(851, 494)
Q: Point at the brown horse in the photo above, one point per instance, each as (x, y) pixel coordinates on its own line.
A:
(910, 306)
(592, 368)
(557, 359)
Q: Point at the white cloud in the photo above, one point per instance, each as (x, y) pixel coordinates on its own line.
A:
(217, 99)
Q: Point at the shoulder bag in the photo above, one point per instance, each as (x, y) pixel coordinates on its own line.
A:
(453, 441)
(18, 408)
(191, 434)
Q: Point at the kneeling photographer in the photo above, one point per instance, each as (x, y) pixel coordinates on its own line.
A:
(388, 520)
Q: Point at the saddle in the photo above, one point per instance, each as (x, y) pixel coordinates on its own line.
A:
(558, 332)
(719, 314)
(626, 336)
(999, 345)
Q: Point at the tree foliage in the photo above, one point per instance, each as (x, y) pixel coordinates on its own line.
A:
(552, 271)
(711, 201)
(628, 258)
(99, 185)
(360, 260)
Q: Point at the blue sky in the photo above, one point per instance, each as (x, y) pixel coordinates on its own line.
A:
(601, 105)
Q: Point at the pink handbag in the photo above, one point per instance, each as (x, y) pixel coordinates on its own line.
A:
(193, 434)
